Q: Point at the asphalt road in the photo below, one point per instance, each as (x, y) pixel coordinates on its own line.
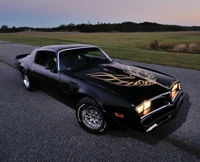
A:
(37, 126)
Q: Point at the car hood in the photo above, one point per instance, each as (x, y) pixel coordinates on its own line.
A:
(133, 83)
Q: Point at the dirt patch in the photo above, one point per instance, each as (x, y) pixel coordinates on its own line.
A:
(193, 45)
(187, 47)
(175, 47)
(179, 47)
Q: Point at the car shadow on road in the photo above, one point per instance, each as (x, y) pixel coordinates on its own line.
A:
(161, 132)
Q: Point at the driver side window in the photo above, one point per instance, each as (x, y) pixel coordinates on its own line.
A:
(46, 58)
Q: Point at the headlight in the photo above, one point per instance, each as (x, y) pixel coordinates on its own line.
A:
(176, 87)
(143, 107)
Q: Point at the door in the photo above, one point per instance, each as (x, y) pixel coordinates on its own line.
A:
(44, 69)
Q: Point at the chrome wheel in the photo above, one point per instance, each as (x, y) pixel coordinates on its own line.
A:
(92, 117)
(26, 81)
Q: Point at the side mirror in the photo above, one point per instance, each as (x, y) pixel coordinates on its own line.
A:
(51, 68)
(47, 67)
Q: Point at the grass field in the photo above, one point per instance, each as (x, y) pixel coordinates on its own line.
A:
(130, 46)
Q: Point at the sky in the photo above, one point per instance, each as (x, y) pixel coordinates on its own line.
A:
(52, 13)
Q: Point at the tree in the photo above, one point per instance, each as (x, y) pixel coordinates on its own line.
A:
(4, 28)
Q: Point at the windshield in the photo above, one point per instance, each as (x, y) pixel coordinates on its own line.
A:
(81, 58)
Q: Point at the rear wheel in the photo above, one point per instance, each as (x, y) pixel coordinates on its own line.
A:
(26, 81)
(90, 116)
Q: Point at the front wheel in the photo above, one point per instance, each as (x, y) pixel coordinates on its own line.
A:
(90, 116)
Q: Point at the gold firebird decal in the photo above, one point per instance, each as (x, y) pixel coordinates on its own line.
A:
(130, 80)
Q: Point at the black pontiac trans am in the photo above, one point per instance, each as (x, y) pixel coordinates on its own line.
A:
(105, 90)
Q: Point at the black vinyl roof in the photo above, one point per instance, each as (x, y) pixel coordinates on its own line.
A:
(57, 48)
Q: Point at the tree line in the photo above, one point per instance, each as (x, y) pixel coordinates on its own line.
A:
(106, 27)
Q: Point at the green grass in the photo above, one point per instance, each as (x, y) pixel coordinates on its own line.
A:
(130, 46)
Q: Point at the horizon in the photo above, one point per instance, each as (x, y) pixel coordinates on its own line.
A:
(100, 23)
(46, 14)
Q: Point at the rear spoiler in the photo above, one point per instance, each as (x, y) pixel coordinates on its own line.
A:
(18, 57)
(21, 56)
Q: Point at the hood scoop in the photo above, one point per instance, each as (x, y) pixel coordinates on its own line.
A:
(113, 70)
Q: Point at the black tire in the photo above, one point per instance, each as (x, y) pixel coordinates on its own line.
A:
(26, 80)
(90, 116)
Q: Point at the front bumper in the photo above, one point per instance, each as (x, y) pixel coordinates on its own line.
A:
(162, 114)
